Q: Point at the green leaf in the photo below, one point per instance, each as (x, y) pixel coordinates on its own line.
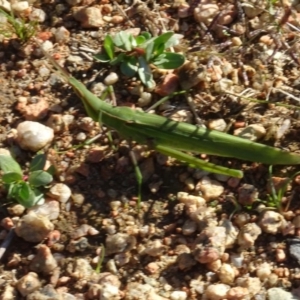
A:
(11, 177)
(23, 191)
(27, 196)
(146, 35)
(169, 60)
(129, 67)
(102, 57)
(38, 162)
(121, 57)
(158, 51)
(40, 178)
(51, 170)
(122, 40)
(132, 41)
(162, 39)
(145, 74)
(109, 46)
(173, 40)
(8, 164)
(140, 40)
(149, 50)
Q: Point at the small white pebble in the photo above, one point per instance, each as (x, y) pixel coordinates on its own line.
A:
(217, 291)
(38, 15)
(33, 135)
(218, 124)
(263, 271)
(60, 192)
(280, 255)
(178, 295)
(111, 78)
(145, 99)
(62, 35)
(28, 284)
(20, 6)
(226, 274)
(81, 136)
(44, 72)
(47, 46)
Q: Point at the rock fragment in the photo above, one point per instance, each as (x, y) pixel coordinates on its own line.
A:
(28, 284)
(119, 242)
(33, 135)
(33, 228)
(89, 17)
(43, 261)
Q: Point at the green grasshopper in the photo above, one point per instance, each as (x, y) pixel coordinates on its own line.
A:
(173, 138)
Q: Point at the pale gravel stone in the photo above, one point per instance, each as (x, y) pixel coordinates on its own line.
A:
(47, 46)
(44, 71)
(252, 132)
(5, 5)
(9, 293)
(80, 269)
(28, 284)
(81, 136)
(109, 292)
(188, 199)
(226, 274)
(43, 261)
(204, 13)
(20, 6)
(145, 99)
(218, 124)
(38, 15)
(253, 284)
(178, 295)
(271, 222)
(33, 135)
(62, 35)
(89, 17)
(210, 188)
(217, 291)
(154, 248)
(83, 230)
(279, 294)
(119, 242)
(60, 192)
(111, 78)
(140, 291)
(16, 209)
(33, 228)
(50, 209)
(263, 271)
(75, 59)
(248, 235)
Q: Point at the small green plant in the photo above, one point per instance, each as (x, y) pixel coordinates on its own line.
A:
(135, 54)
(25, 189)
(18, 26)
(100, 259)
(275, 198)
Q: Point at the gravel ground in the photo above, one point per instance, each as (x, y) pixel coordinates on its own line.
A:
(197, 235)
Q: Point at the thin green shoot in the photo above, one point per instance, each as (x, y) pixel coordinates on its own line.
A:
(164, 99)
(139, 177)
(100, 260)
(275, 199)
(18, 26)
